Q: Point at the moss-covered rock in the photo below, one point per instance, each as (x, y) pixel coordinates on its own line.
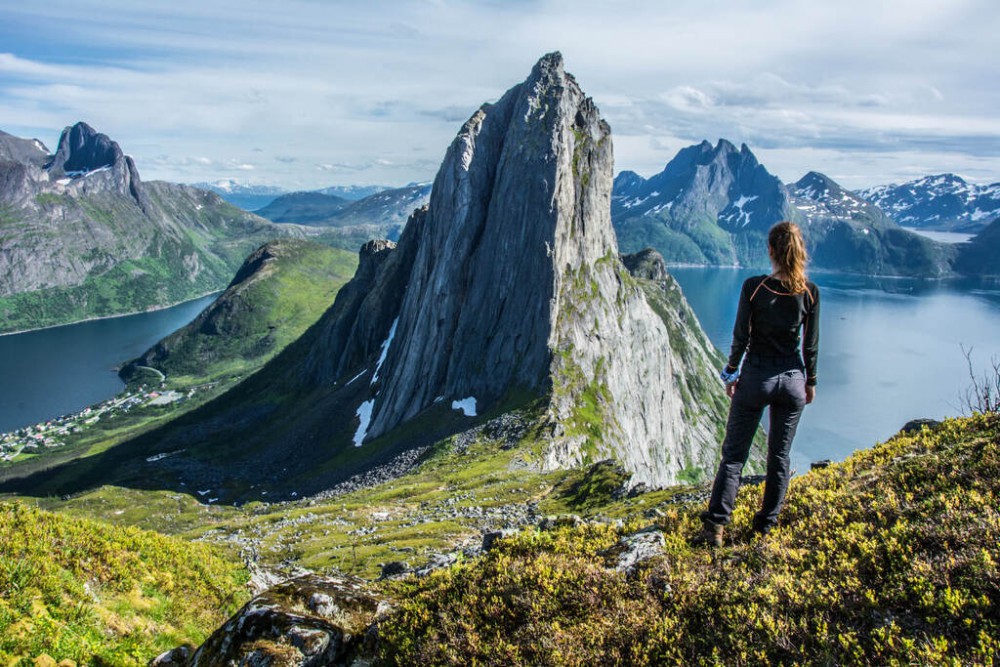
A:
(308, 621)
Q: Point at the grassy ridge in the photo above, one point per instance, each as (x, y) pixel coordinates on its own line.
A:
(889, 558)
(98, 594)
(256, 318)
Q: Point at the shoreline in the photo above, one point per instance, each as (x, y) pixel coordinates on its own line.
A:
(151, 309)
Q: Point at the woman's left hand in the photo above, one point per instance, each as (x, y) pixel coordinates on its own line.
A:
(731, 389)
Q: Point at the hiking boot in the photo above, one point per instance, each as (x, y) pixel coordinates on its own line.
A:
(710, 535)
(761, 529)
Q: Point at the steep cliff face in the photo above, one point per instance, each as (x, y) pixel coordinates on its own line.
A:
(510, 280)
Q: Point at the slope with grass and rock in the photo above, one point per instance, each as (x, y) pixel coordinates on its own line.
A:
(281, 289)
(90, 593)
(82, 236)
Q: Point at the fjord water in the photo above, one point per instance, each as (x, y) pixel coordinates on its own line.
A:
(52, 372)
(890, 351)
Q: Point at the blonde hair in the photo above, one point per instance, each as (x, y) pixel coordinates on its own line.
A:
(788, 251)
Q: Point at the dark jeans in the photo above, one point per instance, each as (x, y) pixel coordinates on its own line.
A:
(781, 384)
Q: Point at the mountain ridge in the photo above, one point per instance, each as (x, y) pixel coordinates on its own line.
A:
(713, 205)
(83, 236)
(941, 202)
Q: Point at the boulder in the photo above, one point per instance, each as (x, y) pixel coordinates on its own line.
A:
(631, 550)
(307, 621)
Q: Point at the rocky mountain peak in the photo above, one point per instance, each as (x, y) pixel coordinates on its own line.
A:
(93, 163)
(627, 183)
(23, 151)
(816, 185)
(510, 280)
(83, 149)
(717, 182)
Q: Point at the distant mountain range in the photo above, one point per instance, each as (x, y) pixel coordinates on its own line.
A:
(246, 196)
(942, 203)
(82, 236)
(713, 205)
(348, 224)
(251, 197)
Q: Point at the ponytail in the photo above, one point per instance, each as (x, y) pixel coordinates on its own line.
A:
(788, 251)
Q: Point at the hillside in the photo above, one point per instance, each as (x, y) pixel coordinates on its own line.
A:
(82, 236)
(303, 208)
(282, 288)
(888, 558)
(846, 233)
(80, 590)
(981, 255)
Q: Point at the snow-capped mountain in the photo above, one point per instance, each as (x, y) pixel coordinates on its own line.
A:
(713, 205)
(352, 192)
(689, 210)
(819, 198)
(847, 233)
(944, 202)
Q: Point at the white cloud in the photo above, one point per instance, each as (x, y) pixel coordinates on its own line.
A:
(374, 92)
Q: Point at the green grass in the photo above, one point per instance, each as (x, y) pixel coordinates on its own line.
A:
(76, 589)
(254, 320)
(889, 558)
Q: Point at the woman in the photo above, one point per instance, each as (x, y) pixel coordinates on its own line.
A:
(772, 311)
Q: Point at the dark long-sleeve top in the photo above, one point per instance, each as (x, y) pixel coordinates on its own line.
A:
(769, 320)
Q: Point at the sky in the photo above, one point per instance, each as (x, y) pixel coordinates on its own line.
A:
(305, 94)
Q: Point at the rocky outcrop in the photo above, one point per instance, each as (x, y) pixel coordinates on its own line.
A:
(511, 279)
(308, 621)
(24, 151)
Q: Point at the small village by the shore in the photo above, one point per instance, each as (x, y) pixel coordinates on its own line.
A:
(55, 432)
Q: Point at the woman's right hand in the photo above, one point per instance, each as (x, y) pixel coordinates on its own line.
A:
(810, 393)
(731, 390)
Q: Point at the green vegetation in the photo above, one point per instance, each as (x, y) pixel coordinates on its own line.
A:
(889, 558)
(79, 590)
(682, 238)
(294, 284)
(230, 340)
(186, 245)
